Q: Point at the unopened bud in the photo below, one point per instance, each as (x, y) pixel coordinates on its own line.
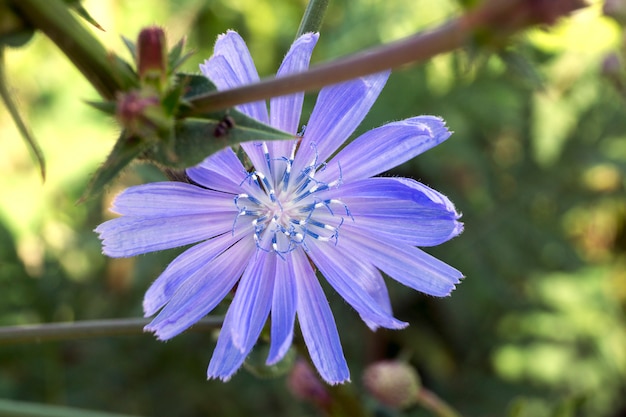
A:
(152, 55)
(615, 9)
(393, 383)
(138, 113)
(305, 385)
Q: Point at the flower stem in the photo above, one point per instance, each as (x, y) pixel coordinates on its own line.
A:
(432, 402)
(86, 329)
(500, 18)
(313, 16)
(105, 71)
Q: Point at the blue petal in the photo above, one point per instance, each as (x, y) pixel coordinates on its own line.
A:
(317, 323)
(231, 66)
(202, 291)
(170, 199)
(227, 358)
(406, 264)
(221, 171)
(342, 270)
(184, 267)
(129, 236)
(339, 110)
(398, 209)
(283, 311)
(285, 110)
(386, 147)
(253, 299)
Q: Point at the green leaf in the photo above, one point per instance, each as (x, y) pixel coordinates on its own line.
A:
(175, 57)
(19, 122)
(14, 31)
(255, 362)
(195, 139)
(132, 48)
(125, 150)
(82, 12)
(107, 107)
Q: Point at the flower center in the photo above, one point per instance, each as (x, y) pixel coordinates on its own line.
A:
(286, 209)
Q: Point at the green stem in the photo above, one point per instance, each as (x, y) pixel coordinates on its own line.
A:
(105, 71)
(432, 402)
(502, 17)
(11, 408)
(313, 17)
(86, 329)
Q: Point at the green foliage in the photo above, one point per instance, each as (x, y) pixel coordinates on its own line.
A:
(537, 165)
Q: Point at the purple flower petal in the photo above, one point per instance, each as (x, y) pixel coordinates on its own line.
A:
(184, 267)
(231, 66)
(386, 147)
(170, 199)
(317, 323)
(253, 299)
(398, 209)
(406, 264)
(227, 358)
(341, 269)
(221, 171)
(202, 291)
(129, 236)
(338, 111)
(283, 311)
(285, 110)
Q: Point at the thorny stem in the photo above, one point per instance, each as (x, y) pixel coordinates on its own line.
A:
(105, 71)
(501, 17)
(87, 329)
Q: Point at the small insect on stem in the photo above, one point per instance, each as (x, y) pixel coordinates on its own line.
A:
(224, 126)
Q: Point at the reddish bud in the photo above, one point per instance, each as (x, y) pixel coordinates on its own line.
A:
(152, 54)
(615, 9)
(136, 112)
(393, 383)
(305, 385)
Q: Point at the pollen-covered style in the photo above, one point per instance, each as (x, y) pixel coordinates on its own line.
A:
(298, 210)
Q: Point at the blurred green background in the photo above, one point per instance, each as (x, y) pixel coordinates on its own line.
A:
(537, 165)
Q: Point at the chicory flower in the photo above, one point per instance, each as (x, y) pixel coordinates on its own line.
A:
(267, 230)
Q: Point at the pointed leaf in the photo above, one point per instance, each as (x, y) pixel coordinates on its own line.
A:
(125, 150)
(107, 107)
(195, 139)
(132, 48)
(19, 122)
(82, 12)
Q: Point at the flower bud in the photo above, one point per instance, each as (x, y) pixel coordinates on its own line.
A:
(393, 383)
(305, 385)
(615, 9)
(152, 55)
(138, 113)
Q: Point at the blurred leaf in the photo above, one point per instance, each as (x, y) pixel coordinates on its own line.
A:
(126, 149)
(255, 362)
(14, 31)
(26, 409)
(132, 48)
(11, 106)
(107, 107)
